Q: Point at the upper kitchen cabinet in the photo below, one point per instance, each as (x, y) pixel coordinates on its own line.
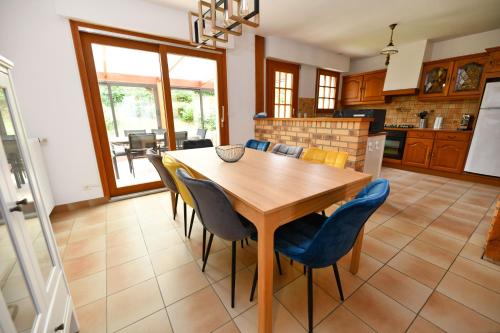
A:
(364, 88)
(493, 64)
(435, 79)
(454, 78)
(467, 76)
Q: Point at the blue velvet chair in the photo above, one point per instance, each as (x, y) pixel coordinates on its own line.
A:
(216, 213)
(257, 145)
(316, 241)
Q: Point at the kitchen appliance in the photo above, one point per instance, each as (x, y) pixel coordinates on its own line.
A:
(438, 123)
(378, 115)
(466, 122)
(394, 144)
(484, 157)
(399, 126)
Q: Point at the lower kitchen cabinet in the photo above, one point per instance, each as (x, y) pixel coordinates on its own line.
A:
(417, 152)
(448, 155)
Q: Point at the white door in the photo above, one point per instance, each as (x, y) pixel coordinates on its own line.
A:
(33, 288)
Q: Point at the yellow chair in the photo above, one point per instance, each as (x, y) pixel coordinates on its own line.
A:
(336, 159)
(172, 165)
(314, 155)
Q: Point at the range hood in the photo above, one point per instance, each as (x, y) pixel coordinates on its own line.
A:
(403, 72)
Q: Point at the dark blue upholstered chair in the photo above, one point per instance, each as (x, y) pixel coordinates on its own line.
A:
(200, 143)
(316, 241)
(285, 150)
(257, 145)
(216, 213)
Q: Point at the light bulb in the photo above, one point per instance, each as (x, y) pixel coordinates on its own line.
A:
(244, 7)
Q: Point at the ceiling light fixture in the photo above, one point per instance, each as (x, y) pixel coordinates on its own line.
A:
(217, 19)
(390, 49)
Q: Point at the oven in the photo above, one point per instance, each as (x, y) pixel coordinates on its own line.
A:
(395, 144)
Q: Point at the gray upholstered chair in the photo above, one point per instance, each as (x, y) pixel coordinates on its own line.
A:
(217, 216)
(165, 176)
(285, 150)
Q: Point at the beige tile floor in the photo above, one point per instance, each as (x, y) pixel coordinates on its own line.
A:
(131, 269)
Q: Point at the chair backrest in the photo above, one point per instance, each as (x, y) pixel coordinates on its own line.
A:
(180, 137)
(172, 165)
(192, 144)
(314, 155)
(338, 233)
(140, 131)
(213, 208)
(257, 145)
(336, 159)
(165, 176)
(158, 131)
(142, 141)
(201, 133)
(285, 150)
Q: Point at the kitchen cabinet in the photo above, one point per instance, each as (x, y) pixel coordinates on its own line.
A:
(417, 152)
(454, 78)
(364, 88)
(448, 155)
(493, 64)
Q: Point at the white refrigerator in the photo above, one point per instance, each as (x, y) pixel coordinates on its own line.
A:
(484, 152)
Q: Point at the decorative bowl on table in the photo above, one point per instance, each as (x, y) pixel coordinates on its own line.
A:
(230, 153)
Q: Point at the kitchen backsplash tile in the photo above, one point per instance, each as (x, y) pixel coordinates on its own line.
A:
(404, 109)
(306, 105)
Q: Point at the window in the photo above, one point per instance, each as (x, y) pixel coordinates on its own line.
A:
(326, 90)
(282, 89)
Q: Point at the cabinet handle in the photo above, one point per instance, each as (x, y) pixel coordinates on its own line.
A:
(16, 208)
(22, 202)
(59, 328)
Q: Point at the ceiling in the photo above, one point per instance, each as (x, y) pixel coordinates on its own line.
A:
(360, 27)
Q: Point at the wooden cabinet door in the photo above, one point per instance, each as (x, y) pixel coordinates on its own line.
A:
(493, 64)
(417, 152)
(449, 156)
(467, 76)
(435, 79)
(351, 89)
(282, 85)
(373, 85)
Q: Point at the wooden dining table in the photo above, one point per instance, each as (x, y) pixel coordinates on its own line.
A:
(271, 190)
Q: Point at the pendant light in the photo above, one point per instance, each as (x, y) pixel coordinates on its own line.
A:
(390, 49)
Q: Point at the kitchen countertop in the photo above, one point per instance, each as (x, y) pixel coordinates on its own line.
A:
(356, 120)
(425, 129)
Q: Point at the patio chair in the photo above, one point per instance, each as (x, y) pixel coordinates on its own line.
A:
(180, 137)
(201, 133)
(192, 144)
(158, 131)
(140, 131)
(138, 146)
(117, 151)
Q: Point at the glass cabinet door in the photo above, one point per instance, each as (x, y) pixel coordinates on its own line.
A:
(436, 78)
(23, 191)
(467, 76)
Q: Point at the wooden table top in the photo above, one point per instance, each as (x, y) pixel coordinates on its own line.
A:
(266, 181)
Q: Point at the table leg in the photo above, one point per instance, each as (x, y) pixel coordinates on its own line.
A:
(265, 282)
(356, 252)
(172, 199)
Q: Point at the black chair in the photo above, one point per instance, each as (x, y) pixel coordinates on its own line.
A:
(193, 144)
(285, 150)
(218, 217)
(180, 137)
(138, 146)
(117, 151)
(155, 158)
(139, 131)
(201, 133)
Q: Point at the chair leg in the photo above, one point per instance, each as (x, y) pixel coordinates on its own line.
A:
(304, 270)
(115, 164)
(233, 272)
(204, 244)
(291, 262)
(339, 284)
(241, 243)
(175, 204)
(246, 239)
(191, 224)
(185, 220)
(310, 298)
(278, 262)
(254, 283)
(207, 252)
(323, 213)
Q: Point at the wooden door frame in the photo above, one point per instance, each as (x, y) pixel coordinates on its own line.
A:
(273, 65)
(93, 105)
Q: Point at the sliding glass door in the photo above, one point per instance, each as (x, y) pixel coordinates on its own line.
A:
(149, 96)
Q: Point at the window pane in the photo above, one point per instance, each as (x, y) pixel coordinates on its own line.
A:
(321, 80)
(332, 93)
(327, 92)
(288, 111)
(289, 77)
(282, 80)
(289, 97)
(276, 96)
(282, 96)
(321, 92)
(327, 81)
(277, 79)
(320, 103)
(333, 82)
(282, 111)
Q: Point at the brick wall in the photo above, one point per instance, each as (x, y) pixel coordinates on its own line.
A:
(404, 109)
(325, 133)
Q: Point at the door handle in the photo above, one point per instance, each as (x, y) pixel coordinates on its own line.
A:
(22, 202)
(16, 208)
(59, 328)
(222, 118)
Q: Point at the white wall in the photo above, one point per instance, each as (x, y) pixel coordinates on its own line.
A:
(300, 53)
(48, 82)
(367, 64)
(307, 81)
